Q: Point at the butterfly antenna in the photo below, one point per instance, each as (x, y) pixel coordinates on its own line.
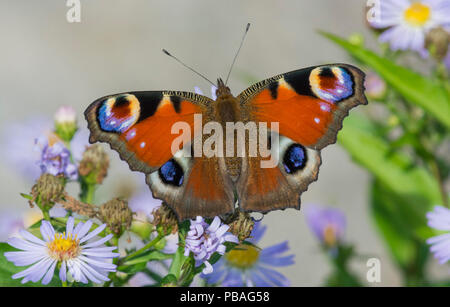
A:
(240, 46)
(188, 67)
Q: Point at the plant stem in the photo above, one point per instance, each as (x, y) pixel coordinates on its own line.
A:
(46, 215)
(87, 192)
(437, 174)
(144, 249)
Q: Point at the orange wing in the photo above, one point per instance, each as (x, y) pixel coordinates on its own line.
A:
(138, 124)
(309, 104)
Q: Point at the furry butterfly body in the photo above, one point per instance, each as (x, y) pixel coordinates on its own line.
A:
(309, 106)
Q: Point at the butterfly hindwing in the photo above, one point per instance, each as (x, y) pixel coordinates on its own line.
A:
(266, 189)
(309, 105)
(202, 188)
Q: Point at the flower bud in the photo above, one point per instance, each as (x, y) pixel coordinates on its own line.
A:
(437, 42)
(241, 225)
(165, 220)
(94, 164)
(47, 190)
(116, 214)
(65, 123)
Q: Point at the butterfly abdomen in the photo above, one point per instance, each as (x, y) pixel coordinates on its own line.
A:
(226, 110)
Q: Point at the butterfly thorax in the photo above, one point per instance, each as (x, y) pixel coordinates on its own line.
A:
(226, 105)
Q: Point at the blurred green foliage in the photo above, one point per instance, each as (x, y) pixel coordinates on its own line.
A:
(400, 150)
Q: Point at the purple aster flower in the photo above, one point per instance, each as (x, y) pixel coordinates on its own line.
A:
(83, 258)
(247, 265)
(409, 21)
(55, 158)
(439, 219)
(203, 240)
(327, 224)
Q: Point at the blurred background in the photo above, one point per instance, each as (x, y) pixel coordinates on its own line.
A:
(46, 62)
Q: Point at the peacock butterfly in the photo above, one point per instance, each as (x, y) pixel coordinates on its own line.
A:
(308, 105)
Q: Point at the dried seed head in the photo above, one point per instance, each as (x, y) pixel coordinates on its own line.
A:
(165, 219)
(116, 214)
(94, 164)
(48, 189)
(437, 41)
(241, 225)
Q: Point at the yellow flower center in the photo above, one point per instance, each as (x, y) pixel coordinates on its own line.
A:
(64, 247)
(329, 235)
(243, 256)
(417, 14)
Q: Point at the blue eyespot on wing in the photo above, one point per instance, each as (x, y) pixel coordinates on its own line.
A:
(117, 114)
(331, 83)
(294, 158)
(171, 173)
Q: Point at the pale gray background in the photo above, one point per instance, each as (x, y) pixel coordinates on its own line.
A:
(46, 62)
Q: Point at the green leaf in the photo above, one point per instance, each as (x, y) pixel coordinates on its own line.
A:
(7, 269)
(427, 93)
(177, 263)
(148, 256)
(26, 196)
(187, 272)
(412, 183)
(396, 223)
(170, 279)
(342, 275)
(153, 275)
(132, 268)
